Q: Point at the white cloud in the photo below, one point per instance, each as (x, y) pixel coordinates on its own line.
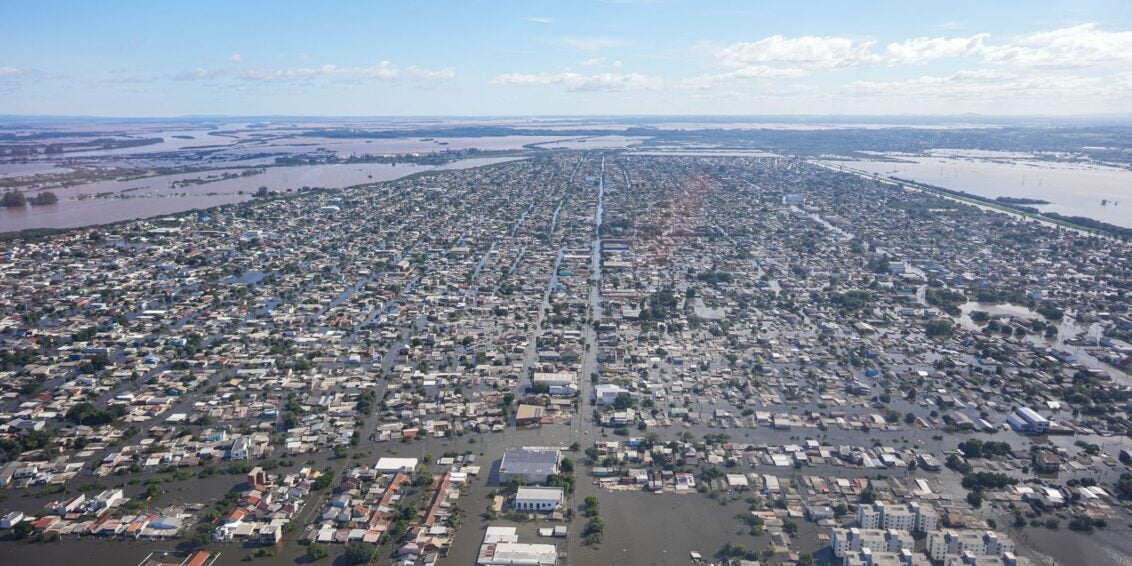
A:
(235, 58)
(748, 72)
(1077, 46)
(837, 52)
(997, 85)
(592, 43)
(199, 74)
(538, 20)
(809, 51)
(576, 82)
(922, 49)
(601, 62)
(414, 71)
(10, 72)
(285, 74)
(383, 70)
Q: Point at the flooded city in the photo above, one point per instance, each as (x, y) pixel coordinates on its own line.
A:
(592, 283)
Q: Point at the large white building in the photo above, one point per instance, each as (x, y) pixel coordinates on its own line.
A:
(607, 393)
(389, 465)
(1028, 421)
(942, 544)
(501, 547)
(910, 517)
(533, 465)
(852, 540)
(539, 499)
(557, 383)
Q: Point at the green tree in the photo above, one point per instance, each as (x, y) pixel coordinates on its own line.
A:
(317, 551)
(23, 530)
(358, 552)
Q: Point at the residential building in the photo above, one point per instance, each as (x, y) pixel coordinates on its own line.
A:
(910, 517)
(845, 541)
(947, 542)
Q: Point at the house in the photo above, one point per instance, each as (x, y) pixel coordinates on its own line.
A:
(270, 535)
(257, 478)
(528, 415)
(539, 499)
(11, 519)
(107, 499)
(1046, 462)
(239, 450)
(532, 465)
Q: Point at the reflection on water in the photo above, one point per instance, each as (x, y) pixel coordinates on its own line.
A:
(154, 196)
(1074, 189)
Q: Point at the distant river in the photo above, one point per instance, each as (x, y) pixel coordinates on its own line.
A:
(1075, 189)
(154, 196)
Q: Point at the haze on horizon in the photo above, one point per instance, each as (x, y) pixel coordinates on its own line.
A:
(663, 57)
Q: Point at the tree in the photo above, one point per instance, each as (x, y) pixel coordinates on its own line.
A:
(358, 552)
(317, 551)
(44, 198)
(623, 401)
(514, 484)
(939, 328)
(591, 506)
(868, 496)
(23, 529)
(13, 199)
(421, 476)
(1124, 484)
(975, 498)
(595, 525)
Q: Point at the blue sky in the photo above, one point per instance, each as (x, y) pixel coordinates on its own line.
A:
(580, 57)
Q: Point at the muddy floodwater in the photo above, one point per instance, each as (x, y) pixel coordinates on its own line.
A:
(103, 202)
(1073, 189)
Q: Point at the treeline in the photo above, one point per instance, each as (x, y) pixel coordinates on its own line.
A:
(89, 415)
(59, 148)
(16, 199)
(453, 132)
(1118, 231)
(1017, 200)
(975, 448)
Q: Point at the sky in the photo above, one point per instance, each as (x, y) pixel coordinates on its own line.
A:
(578, 57)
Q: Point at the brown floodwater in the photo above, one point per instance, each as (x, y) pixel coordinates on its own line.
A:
(155, 196)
